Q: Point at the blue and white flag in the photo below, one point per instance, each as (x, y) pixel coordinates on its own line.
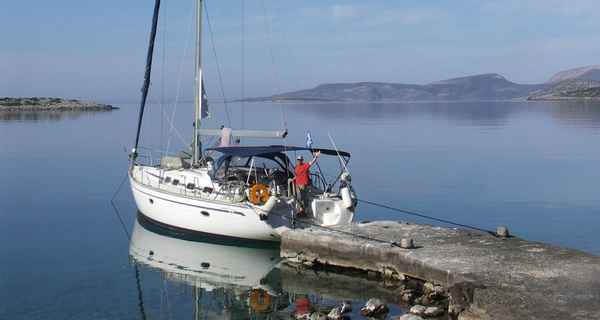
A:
(309, 140)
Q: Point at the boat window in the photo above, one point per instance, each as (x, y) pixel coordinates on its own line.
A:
(190, 186)
(239, 162)
(167, 179)
(261, 163)
(175, 182)
(220, 173)
(227, 165)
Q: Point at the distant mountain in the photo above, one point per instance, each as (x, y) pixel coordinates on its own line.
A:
(582, 73)
(490, 86)
(578, 83)
(569, 84)
(568, 89)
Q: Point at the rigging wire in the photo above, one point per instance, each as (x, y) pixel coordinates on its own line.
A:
(179, 79)
(176, 131)
(276, 76)
(214, 50)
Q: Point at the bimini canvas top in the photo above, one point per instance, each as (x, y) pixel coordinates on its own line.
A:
(249, 151)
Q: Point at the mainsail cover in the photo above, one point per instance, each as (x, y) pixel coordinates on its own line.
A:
(147, 75)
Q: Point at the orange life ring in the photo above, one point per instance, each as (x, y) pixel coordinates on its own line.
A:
(259, 194)
(260, 300)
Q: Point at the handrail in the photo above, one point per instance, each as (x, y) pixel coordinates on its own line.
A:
(228, 194)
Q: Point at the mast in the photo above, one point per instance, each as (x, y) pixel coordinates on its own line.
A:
(198, 88)
(147, 75)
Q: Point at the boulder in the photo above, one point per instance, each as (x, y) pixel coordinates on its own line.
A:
(408, 296)
(408, 317)
(373, 307)
(335, 314)
(418, 310)
(317, 316)
(338, 312)
(433, 312)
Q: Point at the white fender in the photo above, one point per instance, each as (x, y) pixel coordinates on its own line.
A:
(269, 205)
(346, 197)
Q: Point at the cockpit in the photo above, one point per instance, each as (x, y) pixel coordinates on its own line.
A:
(273, 170)
(267, 165)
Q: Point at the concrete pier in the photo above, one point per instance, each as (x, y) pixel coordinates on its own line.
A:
(488, 277)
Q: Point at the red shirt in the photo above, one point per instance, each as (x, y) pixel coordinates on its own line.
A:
(302, 306)
(302, 172)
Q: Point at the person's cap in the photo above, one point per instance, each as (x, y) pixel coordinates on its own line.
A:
(300, 157)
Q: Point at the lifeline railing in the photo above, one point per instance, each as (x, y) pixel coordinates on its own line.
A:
(228, 193)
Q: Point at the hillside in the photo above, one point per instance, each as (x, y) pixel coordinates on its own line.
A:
(479, 87)
(582, 73)
(568, 89)
(579, 83)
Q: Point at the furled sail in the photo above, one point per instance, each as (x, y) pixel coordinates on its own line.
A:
(147, 75)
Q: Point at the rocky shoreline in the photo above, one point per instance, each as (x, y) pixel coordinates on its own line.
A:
(50, 104)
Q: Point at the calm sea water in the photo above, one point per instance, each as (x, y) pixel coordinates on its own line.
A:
(64, 255)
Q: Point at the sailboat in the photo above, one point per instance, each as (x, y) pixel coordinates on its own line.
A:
(245, 193)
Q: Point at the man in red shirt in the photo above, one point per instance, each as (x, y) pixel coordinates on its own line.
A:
(302, 179)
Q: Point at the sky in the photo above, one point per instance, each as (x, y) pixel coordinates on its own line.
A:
(96, 49)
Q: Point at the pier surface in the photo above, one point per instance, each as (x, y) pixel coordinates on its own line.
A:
(489, 277)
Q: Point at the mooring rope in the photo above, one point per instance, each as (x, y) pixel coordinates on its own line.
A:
(116, 210)
(421, 215)
(348, 233)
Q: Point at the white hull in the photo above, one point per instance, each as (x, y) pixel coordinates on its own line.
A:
(239, 221)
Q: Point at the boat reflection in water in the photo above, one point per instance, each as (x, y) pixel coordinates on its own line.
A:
(226, 282)
(218, 281)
